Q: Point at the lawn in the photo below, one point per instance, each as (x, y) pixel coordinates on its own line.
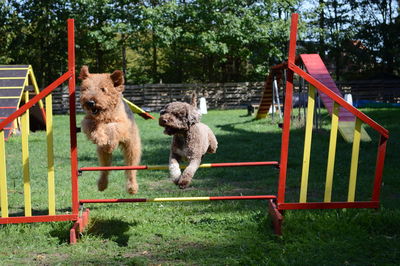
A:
(209, 233)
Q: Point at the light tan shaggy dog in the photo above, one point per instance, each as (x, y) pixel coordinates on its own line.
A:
(109, 123)
(191, 139)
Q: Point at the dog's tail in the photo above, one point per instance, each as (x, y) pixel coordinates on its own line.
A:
(193, 102)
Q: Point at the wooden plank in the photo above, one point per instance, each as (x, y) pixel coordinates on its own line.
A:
(331, 153)
(354, 160)
(3, 178)
(307, 145)
(50, 156)
(25, 159)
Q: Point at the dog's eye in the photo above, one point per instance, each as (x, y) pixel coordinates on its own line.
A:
(103, 89)
(162, 112)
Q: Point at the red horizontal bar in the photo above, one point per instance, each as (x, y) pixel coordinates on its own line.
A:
(244, 164)
(38, 219)
(8, 107)
(259, 197)
(342, 102)
(83, 201)
(145, 167)
(113, 168)
(328, 205)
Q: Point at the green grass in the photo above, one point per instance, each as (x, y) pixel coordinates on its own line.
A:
(209, 233)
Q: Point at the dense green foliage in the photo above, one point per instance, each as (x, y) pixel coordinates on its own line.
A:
(209, 233)
(197, 40)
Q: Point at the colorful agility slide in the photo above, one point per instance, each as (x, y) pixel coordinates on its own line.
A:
(13, 80)
(317, 69)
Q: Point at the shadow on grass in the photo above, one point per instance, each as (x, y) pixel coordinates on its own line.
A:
(112, 229)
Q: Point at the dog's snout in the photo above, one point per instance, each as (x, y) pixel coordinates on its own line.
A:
(90, 103)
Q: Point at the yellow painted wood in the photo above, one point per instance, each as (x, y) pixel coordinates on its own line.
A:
(307, 144)
(346, 129)
(157, 167)
(25, 160)
(9, 97)
(182, 166)
(331, 153)
(354, 160)
(50, 156)
(179, 199)
(35, 86)
(3, 178)
(136, 109)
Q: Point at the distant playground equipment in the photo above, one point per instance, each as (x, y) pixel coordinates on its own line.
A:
(276, 203)
(14, 90)
(316, 69)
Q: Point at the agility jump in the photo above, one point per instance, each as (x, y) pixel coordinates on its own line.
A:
(276, 203)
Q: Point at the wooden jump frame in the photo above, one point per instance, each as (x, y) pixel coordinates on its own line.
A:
(276, 203)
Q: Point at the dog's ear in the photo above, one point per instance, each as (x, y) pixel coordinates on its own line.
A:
(193, 115)
(118, 79)
(84, 74)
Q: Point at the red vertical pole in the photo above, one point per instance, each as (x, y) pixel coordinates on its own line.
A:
(72, 117)
(287, 112)
(379, 168)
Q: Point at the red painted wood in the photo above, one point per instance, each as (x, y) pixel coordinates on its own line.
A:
(83, 201)
(38, 219)
(276, 215)
(239, 164)
(259, 197)
(380, 161)
(328, 205)
(72, 117)
(287, 112)
(145, 167)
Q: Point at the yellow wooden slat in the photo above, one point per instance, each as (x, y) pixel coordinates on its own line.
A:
(179, 199)
(10, 97)
(331, 153)
(307, 144)
(35, 86)
(354, 160)
(50, 156)
(25, 160)
(3, 178)
(12, 77)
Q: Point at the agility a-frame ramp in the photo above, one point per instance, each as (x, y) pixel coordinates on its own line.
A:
(276, 203)
(13, 81)
(316, 68)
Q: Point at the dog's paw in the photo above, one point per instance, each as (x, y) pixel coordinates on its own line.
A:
(132, 188)
(102, 184)
(183, 183)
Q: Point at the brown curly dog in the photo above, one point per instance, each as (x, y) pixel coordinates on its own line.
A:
(191, 140)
